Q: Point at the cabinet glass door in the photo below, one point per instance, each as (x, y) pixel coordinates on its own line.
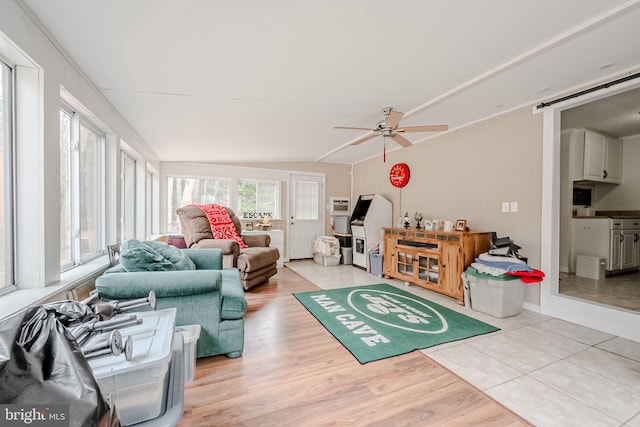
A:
(405, 263)
(428, 268)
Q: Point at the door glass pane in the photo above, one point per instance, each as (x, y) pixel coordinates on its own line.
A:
(306, 206)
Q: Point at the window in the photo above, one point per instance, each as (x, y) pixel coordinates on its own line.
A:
(6, 182)
(128, 197)
(185, 191)
(81, 189)
(257, 199)
(306, 196)
(149, 204)
(66, 226)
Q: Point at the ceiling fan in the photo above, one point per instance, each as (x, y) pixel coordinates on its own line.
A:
(388, 127)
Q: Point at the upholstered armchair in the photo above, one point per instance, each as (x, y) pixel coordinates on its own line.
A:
(204, 294)
(256, 262)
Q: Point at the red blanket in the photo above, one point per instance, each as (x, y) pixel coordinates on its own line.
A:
(534, 276)
(221, 224)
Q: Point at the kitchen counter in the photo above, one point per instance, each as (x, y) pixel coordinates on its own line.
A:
(620, 214)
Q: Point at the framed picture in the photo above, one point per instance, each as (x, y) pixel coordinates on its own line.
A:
(461, 225)
(248, 226)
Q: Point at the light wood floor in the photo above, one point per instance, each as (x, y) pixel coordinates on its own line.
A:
(294, 373)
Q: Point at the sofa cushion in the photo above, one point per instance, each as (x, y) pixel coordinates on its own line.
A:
(251, 259)
(137, 256)
(194, 224)
(175, 256)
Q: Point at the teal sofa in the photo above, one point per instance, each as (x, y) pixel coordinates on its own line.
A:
(208, 295)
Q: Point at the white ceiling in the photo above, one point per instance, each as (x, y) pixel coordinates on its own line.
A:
(224, 81)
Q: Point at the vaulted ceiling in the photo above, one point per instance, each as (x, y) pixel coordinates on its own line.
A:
(225, 81)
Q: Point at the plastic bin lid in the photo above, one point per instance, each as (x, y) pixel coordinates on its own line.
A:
(152, 342)
(503, 277)
(190, 333)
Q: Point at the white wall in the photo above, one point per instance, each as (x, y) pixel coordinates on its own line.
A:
(48, 71)
(467, 174)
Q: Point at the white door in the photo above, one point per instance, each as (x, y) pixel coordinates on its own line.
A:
(306, 221)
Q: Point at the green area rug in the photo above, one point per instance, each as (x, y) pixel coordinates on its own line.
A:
(374, 322)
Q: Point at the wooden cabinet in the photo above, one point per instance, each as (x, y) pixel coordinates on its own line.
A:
(597, 158)
(433, 260)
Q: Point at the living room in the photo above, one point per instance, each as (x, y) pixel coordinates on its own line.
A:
(499, 146)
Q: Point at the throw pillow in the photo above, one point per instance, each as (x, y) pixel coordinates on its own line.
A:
(221, 224)
(179, 259)
(136, 256)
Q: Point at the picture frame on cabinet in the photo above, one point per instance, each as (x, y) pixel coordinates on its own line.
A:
(461, 225)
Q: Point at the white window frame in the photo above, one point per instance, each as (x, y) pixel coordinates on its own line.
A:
(132, 185)
(8, 242)
(80, 118)
(149, 201)
(276, 211)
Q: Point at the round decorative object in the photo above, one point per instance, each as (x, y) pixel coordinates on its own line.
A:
(399, 175)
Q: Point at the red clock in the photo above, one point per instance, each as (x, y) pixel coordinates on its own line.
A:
(399, 175)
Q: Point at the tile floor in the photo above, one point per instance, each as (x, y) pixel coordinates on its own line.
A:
(551, 372)
(622, 290)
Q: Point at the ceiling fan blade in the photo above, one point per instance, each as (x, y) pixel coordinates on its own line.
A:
(393, 119)
(401, 140)
(428, 128)
(364, 138)
(348, 127)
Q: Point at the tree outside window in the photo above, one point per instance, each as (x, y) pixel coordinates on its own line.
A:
(186, 191)
(257, 198)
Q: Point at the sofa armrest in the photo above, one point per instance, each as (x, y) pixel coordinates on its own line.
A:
(228, 247)
(131, 285)
(257, 240)
(205, 259)
(234, 304)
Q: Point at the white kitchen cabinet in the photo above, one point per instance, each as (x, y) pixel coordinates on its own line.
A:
(595, 157)
(627, 255)
(624, 250)
(636, 249)
(616, 239)
(592, 237)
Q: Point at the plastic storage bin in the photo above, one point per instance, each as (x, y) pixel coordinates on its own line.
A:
(138, 386)
(501, 296)
(190, 333)
(175, 391)
(590, 267)
(375, 263)
(326, 251)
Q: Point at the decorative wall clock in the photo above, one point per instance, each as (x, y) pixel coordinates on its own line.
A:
(399, 175)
